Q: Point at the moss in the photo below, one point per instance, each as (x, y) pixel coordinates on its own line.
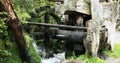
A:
(12, 55)
(95, 60)
(87, 59)
(35, 58)
(15, 53)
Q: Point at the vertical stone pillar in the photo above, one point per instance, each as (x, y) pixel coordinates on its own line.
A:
(113, 23)
(96, 18)
(118, 21)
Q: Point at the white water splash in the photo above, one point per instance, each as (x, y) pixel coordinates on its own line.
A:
(58, 58)
(40, 51)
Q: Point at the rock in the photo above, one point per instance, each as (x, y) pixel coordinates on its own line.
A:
(73, 61)
(79, 6)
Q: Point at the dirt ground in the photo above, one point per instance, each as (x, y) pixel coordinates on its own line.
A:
(112, 60)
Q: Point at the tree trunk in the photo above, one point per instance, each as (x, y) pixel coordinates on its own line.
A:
(15, 28)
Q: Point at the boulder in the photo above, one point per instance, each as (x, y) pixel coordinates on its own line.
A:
(79, 6)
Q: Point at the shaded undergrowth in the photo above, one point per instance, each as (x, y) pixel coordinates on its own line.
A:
(88, 59)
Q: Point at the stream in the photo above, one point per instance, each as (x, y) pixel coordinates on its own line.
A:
(57, 58)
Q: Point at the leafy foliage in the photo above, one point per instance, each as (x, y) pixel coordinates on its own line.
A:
(15, 53)
(4, 38)
(9, 53)
(20, 11)
(87, 59)
(3, 27)
(8, 48)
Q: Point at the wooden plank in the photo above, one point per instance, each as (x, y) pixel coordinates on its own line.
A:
(55, 25)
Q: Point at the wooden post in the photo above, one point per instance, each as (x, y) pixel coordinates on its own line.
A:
(46, 33)
(72, 19)
(80, 20)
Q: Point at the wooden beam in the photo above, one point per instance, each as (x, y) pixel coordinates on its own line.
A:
(55, 25)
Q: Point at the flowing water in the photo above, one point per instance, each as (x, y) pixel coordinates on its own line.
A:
(57, 58)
